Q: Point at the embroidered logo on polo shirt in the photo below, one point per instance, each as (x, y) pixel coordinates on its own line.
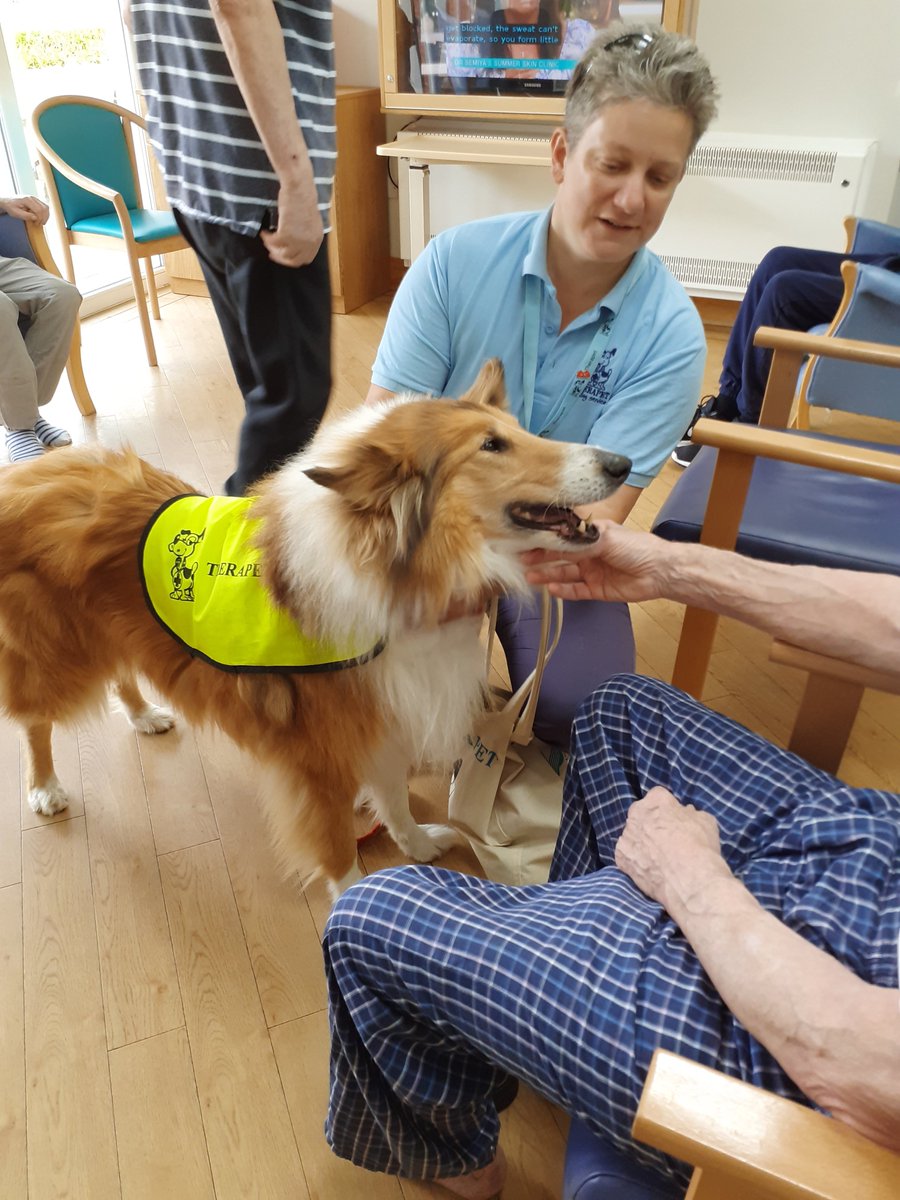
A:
(596, 390)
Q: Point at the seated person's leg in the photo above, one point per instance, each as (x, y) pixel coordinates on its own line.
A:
(51, 305)
(750, 315)
(636, 733)
(597, 642)
(442, 986)
(795, 299)
(18, 387)
(53, 312)
(812, 850)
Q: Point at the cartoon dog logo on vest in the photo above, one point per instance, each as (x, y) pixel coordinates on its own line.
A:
(183, 546)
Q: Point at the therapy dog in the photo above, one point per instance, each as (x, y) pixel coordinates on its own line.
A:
(392, 516)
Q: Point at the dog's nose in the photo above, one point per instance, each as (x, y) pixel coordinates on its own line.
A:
(617, 466)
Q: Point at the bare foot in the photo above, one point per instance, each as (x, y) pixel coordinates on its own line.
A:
(483, 1184)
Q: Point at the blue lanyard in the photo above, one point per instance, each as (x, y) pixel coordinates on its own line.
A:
(530, 339)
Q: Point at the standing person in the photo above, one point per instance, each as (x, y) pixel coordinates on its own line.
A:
(599, 342)
(240, 98)
(710, 894)
(792, 288)
(30, 366)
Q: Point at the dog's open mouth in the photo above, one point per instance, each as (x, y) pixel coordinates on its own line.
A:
(565, 523)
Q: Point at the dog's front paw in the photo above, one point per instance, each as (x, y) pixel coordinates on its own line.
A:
(152, 719)
(48, 800)
(428, 842)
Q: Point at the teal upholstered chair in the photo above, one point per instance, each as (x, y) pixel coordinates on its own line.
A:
(86, 148)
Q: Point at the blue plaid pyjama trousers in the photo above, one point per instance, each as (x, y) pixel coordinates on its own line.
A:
(442, 985)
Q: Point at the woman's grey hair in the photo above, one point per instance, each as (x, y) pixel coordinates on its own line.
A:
(640, 62)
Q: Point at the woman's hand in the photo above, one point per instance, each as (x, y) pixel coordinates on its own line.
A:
(670, 850)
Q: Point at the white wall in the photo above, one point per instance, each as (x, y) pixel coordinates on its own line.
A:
(809, 67)
(804, 67)
(356, 42)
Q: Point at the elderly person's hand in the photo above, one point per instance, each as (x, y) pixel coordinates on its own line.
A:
(623, 564)
(670, 850)
(26, 208)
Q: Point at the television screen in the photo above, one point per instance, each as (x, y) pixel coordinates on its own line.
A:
(505, 48)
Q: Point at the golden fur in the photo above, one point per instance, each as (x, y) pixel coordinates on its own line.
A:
(390, 515)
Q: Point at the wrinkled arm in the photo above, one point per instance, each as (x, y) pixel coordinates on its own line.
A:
(837, 1037)
(854, 615)
(254, 45)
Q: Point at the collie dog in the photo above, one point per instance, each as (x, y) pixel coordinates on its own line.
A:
(392, 516)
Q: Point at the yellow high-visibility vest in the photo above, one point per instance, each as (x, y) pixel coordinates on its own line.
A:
(201, 579)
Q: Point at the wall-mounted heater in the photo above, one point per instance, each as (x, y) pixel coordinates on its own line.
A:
(742, 194)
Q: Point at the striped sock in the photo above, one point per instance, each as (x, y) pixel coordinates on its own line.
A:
(22, 445)
(49, 435)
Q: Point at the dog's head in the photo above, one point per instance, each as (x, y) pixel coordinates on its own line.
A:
(430, 485)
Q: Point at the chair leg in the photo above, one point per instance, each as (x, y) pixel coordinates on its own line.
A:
(727, 493)
(151, 288)
(76, 377)
(68, 265)
(824, 720)
(698, 632)
(141, 301)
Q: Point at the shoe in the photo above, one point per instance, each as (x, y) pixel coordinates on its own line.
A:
(716, 408)
(685, 452)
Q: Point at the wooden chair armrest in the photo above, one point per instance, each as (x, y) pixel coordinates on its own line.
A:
(835, 668)
(38, 240)
(749, 1143)
(850, 224)
(879, 353)
(806, 451)
(89, 185)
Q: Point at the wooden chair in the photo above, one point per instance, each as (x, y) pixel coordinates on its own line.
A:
(25, 239)
(86, 150)
(747, 1144)
(740, 448)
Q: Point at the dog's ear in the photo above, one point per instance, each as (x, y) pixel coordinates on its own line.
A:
(489, 388)
(378, 481)
(335, 478)
(411, 508)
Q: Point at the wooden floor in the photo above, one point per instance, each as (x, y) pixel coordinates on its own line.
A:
(162, 1008)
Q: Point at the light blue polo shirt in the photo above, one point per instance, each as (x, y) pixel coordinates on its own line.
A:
(463, 301)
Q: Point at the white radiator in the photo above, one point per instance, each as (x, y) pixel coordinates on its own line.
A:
(745, 193)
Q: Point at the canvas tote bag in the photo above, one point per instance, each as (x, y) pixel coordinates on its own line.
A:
(506, 794)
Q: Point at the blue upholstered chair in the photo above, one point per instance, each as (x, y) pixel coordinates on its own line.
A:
(21, 239)
(871, 237)
(810, 498)
(86, 149)
(594, 1170)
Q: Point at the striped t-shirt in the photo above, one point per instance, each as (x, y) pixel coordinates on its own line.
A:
(212, 158)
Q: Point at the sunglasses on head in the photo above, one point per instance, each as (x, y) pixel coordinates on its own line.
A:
(636, 41)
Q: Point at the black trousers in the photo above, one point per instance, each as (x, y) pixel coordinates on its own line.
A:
(277, 326)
